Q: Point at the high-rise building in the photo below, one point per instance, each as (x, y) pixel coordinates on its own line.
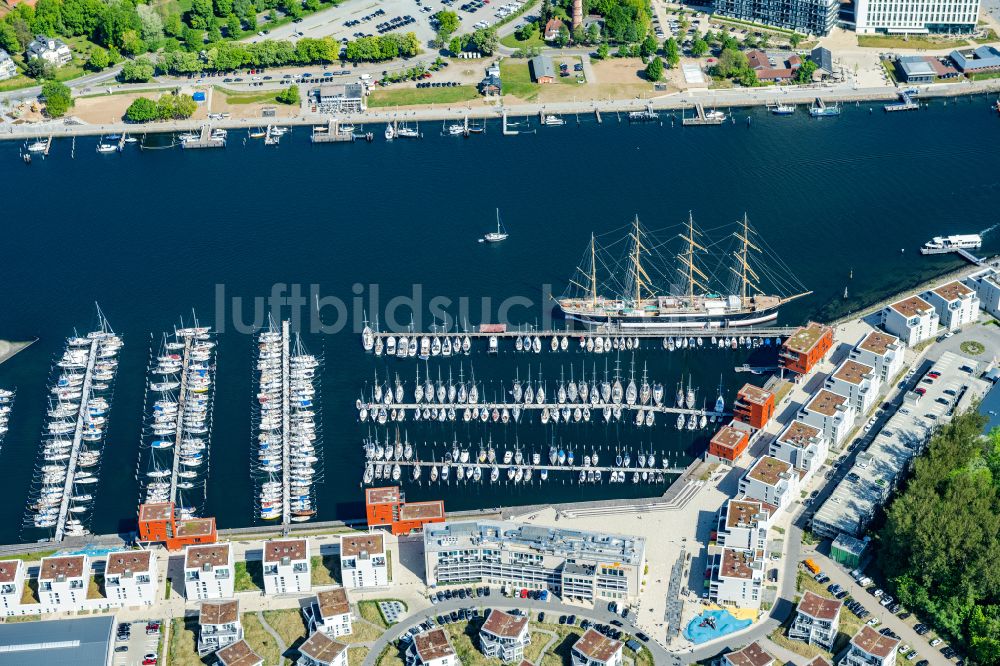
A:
(808, 16)
(915, 16)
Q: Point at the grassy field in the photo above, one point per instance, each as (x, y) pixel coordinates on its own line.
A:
(516, 79)
(391, 656)
(369, 610)
(258, 638)
(559, 653)
(641, 658)
(289, 624)
(356, 656)
(183, 650)
(325, 570)
(249, 577)
(513, 42)
(982, 76)
(991, 36)
(885, 42)
(413, 96)
(361, 632)
(248, 98)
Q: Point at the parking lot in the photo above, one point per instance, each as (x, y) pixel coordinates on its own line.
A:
(140, 646)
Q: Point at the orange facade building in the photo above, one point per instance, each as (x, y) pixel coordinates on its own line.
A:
(806, 347)
(729, 443)
(754, 406)
(157, 524)
(385, 507)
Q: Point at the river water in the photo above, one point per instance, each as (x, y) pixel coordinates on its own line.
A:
(153, 234)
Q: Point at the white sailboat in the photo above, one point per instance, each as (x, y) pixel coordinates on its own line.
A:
(496, 236)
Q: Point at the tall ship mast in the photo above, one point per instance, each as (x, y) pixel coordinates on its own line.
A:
(638, 282)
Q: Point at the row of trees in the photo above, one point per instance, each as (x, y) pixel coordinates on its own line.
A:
(168, 107)
(941, 540)
(382, 47)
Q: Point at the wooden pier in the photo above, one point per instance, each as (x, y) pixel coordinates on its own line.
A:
(179, 431)
(460, 407)
(702, 118)
(330, 133)
(905, 103)
(286, 481)
(486, 467)
(205, 140)
(48, 146)
(74, 455)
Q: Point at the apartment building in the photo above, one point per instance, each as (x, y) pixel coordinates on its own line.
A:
(63, 582)
(218, 625)
(287, 568)
(8, 69)
(729, 443)
(386, 507)
(329, 613)
(11, 586)
(770, 480)
(130, 577)
(753, 406)
(817, 620)
(870, 648)
(802, 446)
(912, 320)
(815, 17)
(321, 650)
(806, 347)
(751, 655)
(882, 352)
(431, 648)
(858, 382)
(51, 50)
(955, 303)
(986, 283)
(504, 636)
(596, 649)
(208, 572)
(573, 563)
(363, 562)
(915, 17)
(832, 413)
(743, 524)
(737, 578)
(238, 654)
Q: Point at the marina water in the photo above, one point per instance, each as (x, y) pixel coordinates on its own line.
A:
(152, 235)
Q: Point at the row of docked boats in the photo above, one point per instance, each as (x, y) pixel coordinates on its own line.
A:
(6, 405)
(73, 438)
(415, 346)
(288, 428)
(179, 398)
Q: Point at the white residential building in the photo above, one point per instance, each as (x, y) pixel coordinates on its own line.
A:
(63, 583)
(329, 613)
(130, 577)
(7, 67)
(431, 648)
(238, 654)
(596, 649)
(912, 320)
(881, 351)
(751, 655)
(858, 382)
(743, 524)
(832, 413)
(801, 445)
(363, 561)
(504, 636)
(218, 625)
(571, 563)
(209, 572)
(956, 304)
(51, 50)
(321, 650)
(11, 586)
(919, 17)
(287, 567)
(817, 620)
(987, 285)
(770, 480)
(737, 578)
(870, 648)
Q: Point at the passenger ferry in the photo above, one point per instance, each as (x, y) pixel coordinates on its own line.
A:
(942, 244)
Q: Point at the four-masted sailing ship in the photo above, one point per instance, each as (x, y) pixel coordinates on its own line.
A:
(646, 292)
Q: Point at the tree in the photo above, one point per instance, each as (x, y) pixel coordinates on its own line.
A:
(795, 40)
(223, 8)
(562, 39)
(233, 26)
(58, 98)
(699, 48)
(546, 12)
(602, 51)
(447, 22)
(526, 31)
(805, 73)
(485, 40)
(131, 43)
(731, 61)
(456, 45)
(654, 70)
(292, 8)
(152, 24)
(289, 95)
(594, 33)
(579, 35)
(8, 39)
(173, 26)
(624, 51)
(39, 69)
(648, 46)
(141, 110)
(672, 52)
(137, 71)
(201, 11)
(175, 107)
(98, 59)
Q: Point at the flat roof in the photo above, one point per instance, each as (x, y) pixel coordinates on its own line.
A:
(916, 66)
(54, 567)
(736, 564)
(754, 394)
(195, 527)
(333, 602)
(597, 646)
(768, 469)
(743, 513)
(878, 342)
(219, 612)
(751, 655)
(728, 437)
(952, 291)
(387, 495)
(83, 642)
(806, 337)
(912, 306)
(433, 644)
(351, 546)
(320, 647)
(819, 661)
(422, 510)
(156, 511)
(128, 560)
(852, 372)
(196, 557)
(8, 570)
(826, 402)
(238, 654)
(819, 607)
(873, 642)
(504, 625)
(293, 549)
(799, 434)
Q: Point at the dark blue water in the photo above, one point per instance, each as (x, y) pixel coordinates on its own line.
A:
(153, 234)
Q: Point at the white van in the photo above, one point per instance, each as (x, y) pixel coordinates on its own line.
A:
(365, 77)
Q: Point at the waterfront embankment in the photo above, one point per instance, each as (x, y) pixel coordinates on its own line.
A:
(724, 98)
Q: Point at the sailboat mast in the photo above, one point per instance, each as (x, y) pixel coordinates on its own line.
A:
(746, 242)
(593, 271)
(690, 261)
(638, 283)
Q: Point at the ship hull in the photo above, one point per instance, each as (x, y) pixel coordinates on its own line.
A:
(694, 320)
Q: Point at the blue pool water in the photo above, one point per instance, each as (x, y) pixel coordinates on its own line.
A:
(725, 623)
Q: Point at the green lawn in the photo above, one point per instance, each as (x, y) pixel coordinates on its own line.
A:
(413, 96)
(356, 656)
(258, 638)
(369, 610)
(325, 569)
(981, 76)
(249, 98)
(516, 79)
(513, 42)
(886, 42)
(991, 36)
(182, 649)
(249, 577)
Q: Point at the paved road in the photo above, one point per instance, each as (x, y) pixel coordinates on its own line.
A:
(76, 84)
(551, 609)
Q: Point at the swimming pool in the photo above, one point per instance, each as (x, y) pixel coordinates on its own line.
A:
(724, 623)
